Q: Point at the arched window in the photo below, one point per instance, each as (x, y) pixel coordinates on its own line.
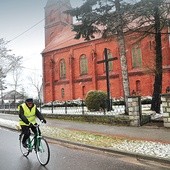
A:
(109, 54)
(110, 63)
(136, 56)
(138, 87)
(83, 65)
(62, 93)
(83, 91)
(52, 16)
(62, 69)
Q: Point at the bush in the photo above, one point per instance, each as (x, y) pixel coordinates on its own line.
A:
(96, 100)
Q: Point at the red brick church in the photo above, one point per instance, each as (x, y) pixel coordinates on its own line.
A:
(70, 66)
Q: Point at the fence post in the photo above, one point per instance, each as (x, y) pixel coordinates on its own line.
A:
(65, 107)
(52, 108)
(134, 109)
(165, 98)
(82, 105)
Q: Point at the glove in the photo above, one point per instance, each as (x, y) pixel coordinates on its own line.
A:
(43, 121)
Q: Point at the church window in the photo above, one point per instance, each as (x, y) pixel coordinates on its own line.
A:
(66, 17)
(62, 69)
(83, 65)
(83, 91)
(52, 16)
(152, 45)
(138, 87)
(136, 56)
(62, 93)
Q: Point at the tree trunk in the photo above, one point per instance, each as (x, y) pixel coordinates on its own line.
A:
(123, 60)
(156, 100)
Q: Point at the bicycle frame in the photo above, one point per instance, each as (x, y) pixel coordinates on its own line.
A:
(33, 141)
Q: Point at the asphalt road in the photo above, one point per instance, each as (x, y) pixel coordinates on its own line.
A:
(65, 158)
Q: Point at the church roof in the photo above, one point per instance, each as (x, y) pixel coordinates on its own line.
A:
(65, 39)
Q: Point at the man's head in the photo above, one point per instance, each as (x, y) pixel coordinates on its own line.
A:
(29, 102)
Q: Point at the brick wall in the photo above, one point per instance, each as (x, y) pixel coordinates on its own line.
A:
(76, 85)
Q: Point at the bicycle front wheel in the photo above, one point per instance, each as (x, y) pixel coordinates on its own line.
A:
(42, 151)
(24, 151)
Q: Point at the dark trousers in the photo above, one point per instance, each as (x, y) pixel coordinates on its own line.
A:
(26, 131)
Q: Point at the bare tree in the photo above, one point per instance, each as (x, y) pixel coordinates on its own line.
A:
(5, 57)
(16, 72)
(2, 84)
(153, 16)
(121, 41)
(37, 85)
(10, 64)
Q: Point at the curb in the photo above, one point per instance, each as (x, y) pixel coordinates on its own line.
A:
(131, 154)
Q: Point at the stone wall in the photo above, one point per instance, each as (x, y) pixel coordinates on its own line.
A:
(165, 98)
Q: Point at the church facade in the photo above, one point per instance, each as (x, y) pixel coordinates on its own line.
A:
(71, 68)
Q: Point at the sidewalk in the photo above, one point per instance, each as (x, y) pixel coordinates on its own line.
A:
(149, 142)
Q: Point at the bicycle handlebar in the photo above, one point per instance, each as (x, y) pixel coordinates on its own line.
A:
(36, 125)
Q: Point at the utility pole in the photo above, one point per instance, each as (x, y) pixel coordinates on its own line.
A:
(106, 61)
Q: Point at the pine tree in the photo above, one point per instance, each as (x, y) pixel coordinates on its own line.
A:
(106, 18)
(115, 17)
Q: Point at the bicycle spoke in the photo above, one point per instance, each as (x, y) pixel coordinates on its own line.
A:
(42, 151)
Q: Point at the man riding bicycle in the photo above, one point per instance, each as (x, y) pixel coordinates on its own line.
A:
(27, 114)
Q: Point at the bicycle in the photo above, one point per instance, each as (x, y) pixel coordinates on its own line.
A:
(38, 144)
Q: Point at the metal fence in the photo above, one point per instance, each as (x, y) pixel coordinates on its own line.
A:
(82, 110)
(78, 108)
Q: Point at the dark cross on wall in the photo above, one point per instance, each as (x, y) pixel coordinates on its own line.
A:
(106, 61)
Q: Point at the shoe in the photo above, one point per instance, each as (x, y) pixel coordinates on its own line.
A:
(25, 145)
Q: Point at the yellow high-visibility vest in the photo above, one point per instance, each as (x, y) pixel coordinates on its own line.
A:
(29, 114)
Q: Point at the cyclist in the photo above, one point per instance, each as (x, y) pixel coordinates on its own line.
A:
(27, 114)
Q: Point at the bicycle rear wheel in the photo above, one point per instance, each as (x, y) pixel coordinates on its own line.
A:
(24, 151)
(42, 151)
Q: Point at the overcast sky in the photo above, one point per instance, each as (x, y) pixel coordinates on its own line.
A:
(22, 23)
